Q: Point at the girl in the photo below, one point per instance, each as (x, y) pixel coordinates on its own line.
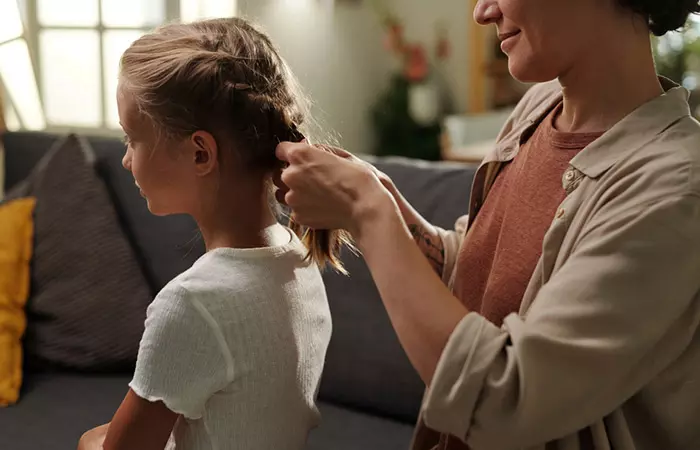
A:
(571, 315)
(233, 349)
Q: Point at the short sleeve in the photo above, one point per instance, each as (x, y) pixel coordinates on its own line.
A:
(183, 358)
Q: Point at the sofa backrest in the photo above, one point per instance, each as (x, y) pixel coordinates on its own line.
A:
(366, 368)
(165, 246)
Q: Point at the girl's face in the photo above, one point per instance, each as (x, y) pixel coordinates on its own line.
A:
(162, 172)
(545, 38)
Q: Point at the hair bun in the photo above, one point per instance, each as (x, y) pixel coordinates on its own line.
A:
(663, 16)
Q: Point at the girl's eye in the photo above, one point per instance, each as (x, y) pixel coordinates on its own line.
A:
(126, 140)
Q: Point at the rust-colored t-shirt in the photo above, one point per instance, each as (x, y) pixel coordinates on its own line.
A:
(501, 250)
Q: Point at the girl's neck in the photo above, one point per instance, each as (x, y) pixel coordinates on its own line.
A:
(241, 220)
(603, 87)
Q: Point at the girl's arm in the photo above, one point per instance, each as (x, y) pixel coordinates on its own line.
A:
(140, 424)
(137, 424)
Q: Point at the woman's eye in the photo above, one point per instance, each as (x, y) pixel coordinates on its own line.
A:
(126, 140)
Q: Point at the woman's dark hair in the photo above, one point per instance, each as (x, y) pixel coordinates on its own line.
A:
(663, 16)
(226, 77)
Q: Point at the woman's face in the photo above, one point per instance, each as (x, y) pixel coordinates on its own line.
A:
(545, 38)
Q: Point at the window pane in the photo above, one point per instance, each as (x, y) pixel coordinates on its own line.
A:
(67, 12)
(11, 119)
(10, 21)
(133, 13)
(191, 10)
(114, 44)
(70, 69)
(18, 77)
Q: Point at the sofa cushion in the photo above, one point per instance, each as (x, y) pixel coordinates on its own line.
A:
(57, 408)
(347, 429)
(165, 246)
(366, 366)
(88, 295)
(16, 233)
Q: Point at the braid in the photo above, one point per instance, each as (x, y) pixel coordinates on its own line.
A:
(226, 77)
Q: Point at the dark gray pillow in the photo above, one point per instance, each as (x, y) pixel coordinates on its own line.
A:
(88, 296)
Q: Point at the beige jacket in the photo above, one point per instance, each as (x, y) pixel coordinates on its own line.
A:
(605, 352)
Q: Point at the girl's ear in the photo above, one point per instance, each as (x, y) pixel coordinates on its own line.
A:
(205, 152)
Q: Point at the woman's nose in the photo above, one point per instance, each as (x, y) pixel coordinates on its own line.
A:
(487, 12)
(126, 160)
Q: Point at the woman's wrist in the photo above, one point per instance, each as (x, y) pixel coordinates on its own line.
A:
(375, 211)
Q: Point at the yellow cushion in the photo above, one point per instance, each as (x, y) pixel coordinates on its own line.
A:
(16, 231)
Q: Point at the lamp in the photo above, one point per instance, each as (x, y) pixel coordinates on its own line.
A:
(16, 70)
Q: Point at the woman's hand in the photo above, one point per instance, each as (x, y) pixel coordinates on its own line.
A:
(330, 188)
(93, 439)
(383, 178)
(282, 189)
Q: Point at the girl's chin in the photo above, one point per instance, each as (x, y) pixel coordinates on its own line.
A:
(156, 210)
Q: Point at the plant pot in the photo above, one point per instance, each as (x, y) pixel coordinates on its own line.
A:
(424, 103)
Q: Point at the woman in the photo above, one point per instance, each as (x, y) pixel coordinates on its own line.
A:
(566, 317)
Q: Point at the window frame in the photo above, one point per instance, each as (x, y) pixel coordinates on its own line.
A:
(32, 33)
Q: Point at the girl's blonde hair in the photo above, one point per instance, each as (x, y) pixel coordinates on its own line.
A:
(226, 77)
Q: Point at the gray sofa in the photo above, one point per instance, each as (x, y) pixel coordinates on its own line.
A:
(370, 394)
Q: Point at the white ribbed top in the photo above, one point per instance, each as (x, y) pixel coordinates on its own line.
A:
(236, 345)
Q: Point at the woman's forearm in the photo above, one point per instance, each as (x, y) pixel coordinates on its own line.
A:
(422, 310)
(423, 233)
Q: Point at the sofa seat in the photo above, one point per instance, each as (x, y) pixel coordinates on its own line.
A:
(55, 409)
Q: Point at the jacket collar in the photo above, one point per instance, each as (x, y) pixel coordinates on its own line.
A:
(631, 133)
(634, 131)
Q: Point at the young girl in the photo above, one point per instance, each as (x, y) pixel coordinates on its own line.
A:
(233, 348)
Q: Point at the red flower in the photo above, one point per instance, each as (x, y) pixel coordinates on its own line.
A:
(416, 69)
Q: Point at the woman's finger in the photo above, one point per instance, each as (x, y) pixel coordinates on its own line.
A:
(283, 150)
(335, 150)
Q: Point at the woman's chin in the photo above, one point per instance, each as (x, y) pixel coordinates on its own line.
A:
(527, 71)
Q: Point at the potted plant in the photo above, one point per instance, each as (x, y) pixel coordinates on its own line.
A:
(407, 115)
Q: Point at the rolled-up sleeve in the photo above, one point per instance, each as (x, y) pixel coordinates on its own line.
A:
(615, 314)
(451, 243)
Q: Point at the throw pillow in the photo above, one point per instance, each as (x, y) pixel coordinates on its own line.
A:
(2, 171)
(15, 253)
(89, 296)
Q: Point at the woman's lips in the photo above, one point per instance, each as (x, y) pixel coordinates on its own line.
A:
(508, 40)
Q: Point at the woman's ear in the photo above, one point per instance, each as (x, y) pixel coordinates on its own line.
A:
(205, 152)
